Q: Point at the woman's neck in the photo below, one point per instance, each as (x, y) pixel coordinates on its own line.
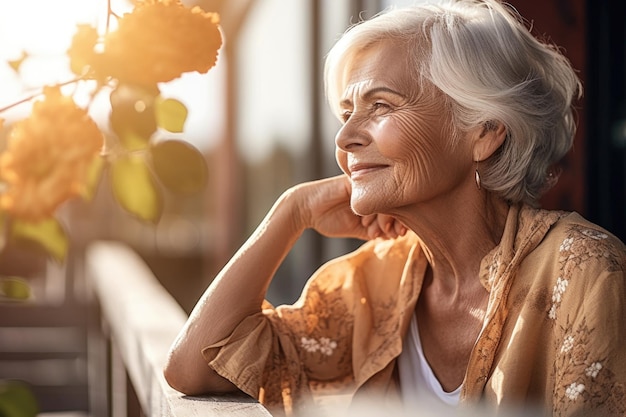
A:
(458, 234)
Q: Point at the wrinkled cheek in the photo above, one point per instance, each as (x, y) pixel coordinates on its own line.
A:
(422, 151)
(423, 165)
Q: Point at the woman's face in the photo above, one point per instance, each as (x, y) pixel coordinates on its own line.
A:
(395, 143)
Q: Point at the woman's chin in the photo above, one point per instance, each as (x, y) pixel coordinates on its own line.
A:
(362, 208)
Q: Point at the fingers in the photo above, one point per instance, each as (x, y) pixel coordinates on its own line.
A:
(384, 226)
(400, 228)
(366, 221)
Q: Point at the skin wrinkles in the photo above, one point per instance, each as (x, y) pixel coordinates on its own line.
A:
(413, 128)
(406, 134)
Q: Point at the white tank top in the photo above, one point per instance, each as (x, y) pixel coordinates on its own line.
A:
(418, 383)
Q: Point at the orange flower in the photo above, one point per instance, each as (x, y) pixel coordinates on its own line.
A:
(159, 40)
(47, 157)
(82, 52)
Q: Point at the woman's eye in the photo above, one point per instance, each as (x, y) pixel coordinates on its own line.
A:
(380, 106)
(345, 115)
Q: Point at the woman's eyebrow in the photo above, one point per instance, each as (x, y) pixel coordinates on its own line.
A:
(382, 89)
(347, 102)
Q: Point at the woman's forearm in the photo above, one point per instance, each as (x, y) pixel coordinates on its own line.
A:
(236, 293)
(239, 289)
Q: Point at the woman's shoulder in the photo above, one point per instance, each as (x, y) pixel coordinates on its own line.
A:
(576, 261)
(581, 241)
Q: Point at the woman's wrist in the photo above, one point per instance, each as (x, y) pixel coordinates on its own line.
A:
(291, 211)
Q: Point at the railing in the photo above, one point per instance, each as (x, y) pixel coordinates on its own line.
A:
(138, 322)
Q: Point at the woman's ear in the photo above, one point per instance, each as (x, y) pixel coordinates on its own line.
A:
(489, 138)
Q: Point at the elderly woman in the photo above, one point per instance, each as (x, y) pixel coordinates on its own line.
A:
(464, 293)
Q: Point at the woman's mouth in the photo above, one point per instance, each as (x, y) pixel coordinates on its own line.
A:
(359, 170)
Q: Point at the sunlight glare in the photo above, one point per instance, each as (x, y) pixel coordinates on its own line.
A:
(42, 29)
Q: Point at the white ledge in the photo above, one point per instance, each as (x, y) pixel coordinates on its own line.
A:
(143, 319)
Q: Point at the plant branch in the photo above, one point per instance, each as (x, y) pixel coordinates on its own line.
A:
(109, 12)
(32, 96)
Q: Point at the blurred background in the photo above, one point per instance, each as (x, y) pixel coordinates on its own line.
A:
(261, 121)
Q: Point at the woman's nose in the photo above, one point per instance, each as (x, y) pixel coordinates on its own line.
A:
(351, 135)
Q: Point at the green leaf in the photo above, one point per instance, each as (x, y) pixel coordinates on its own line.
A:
(15, 288)
(94, 173)
(133, 141)
(17, 400)
(179, 166)
(135, 189)
(132, 116)
(171, 114)
(48, 234)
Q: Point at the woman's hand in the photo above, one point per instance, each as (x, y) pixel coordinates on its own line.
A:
(324, 205)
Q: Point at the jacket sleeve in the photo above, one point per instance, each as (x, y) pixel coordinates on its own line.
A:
(276, 354)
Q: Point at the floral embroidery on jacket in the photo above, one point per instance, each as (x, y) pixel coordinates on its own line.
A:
(557, 294)
(309, 344)
(325, 345)
(580, 375)
(573, 253)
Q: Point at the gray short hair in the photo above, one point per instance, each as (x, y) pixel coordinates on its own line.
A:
(483, 58)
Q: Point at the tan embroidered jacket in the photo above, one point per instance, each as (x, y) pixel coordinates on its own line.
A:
(554, 335)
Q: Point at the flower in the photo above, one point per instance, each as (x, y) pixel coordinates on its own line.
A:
(559, 289)
(309, 344)
(552, 312)
(327, 346)
(593, 369)
(82, 52)
(594, 234)
(158, 41)
(47, 157)
(574, 390)
(568, 344)
(566, 245)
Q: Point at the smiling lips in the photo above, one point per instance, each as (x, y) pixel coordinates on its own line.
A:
(358, 170)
